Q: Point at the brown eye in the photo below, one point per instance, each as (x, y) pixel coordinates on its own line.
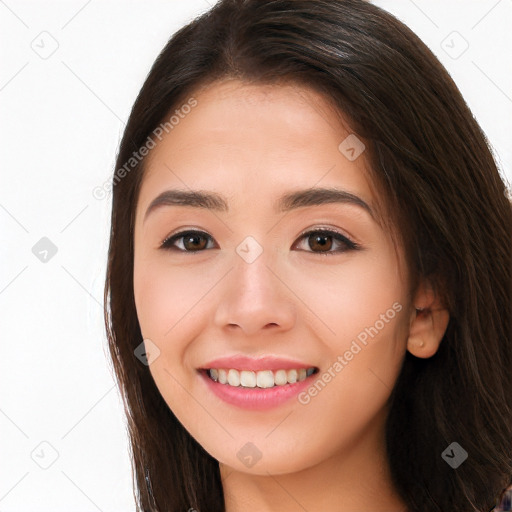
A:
(318, 241)
(187, 241)
(322, 241)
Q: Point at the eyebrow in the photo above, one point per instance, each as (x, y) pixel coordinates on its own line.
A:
(290, 201)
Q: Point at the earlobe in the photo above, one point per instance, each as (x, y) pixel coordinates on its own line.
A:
(429, 322)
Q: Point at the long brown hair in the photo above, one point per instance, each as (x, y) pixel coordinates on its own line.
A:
(444, 195)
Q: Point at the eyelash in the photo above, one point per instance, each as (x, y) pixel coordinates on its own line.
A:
(167, 244)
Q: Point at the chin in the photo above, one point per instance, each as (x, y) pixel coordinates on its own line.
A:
(254, 459)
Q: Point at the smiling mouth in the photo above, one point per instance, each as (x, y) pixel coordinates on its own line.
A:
(261, 379)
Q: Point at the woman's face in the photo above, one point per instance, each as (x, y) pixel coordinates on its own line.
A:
(248, 282)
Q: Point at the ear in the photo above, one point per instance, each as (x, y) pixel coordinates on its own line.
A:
(428, 323)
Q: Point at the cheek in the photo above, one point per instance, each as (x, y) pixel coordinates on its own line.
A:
(169, 310)
(361, 305)
(352, 296)
(165, 295)
(153, 298)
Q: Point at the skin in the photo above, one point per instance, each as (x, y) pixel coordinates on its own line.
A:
(253, 143)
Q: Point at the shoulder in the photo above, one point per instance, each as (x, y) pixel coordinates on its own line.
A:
(505, 503)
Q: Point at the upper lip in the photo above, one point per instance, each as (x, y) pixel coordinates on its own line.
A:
(256, 364)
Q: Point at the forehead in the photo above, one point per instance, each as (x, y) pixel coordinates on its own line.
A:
(233, 109)
(258, 138)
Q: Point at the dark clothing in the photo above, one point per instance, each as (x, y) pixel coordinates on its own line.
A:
(505, 501)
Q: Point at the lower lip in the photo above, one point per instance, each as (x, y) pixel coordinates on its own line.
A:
(255, 398)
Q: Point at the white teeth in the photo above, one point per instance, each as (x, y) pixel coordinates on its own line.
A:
(262, 379)
(247, 379)
(234, 378)
(280, 378)
(292, 376)
(265, 379)
(223, 376)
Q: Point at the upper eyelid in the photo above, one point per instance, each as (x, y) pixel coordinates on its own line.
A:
(184, 232)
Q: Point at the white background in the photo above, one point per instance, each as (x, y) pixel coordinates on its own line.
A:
(62, 118)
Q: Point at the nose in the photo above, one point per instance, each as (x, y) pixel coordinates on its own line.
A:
(255, 299)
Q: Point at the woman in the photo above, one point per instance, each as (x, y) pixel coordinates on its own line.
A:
(309, 281)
